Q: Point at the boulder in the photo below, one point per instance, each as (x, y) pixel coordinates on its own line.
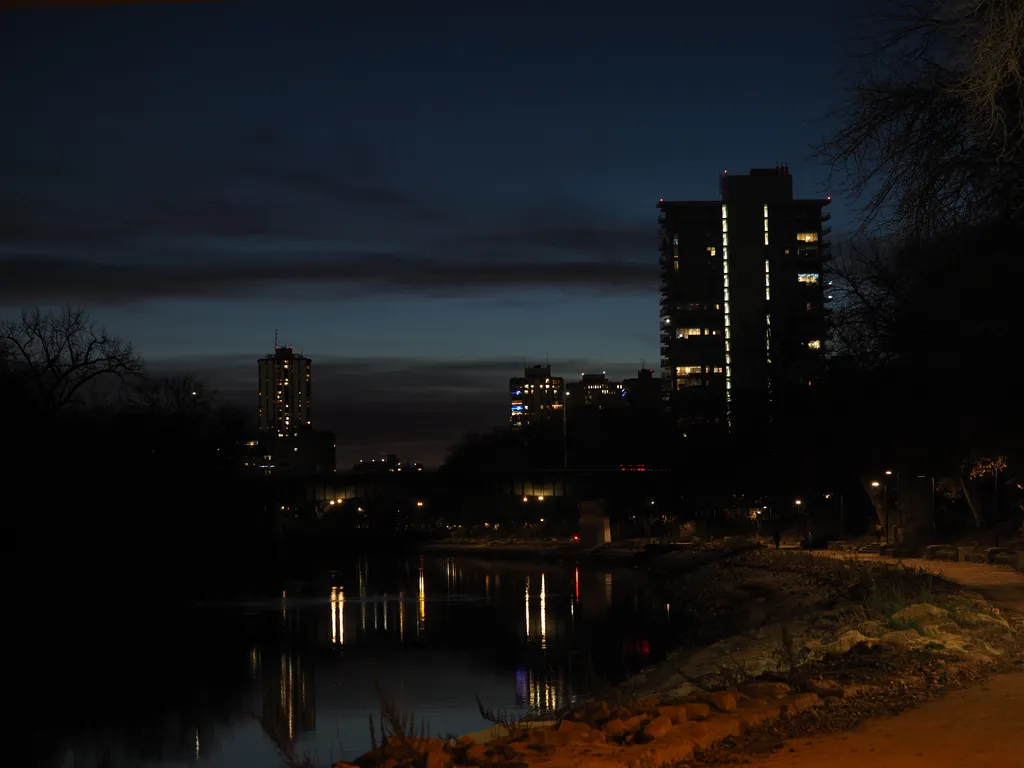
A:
(922, 613)
(846, 641)
(985, 624)
(765, 691)
(657, 728)
(614, 727)
(826, 688)
(675, 713)
(905, 638)
(722, 701)
(696, 710)
(871, 628)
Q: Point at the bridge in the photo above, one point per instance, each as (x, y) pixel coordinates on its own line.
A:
(414, 486)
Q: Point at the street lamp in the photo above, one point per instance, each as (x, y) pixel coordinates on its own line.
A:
(885, 503)
(899, 497)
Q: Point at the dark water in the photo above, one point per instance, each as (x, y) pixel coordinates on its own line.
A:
(150, 685)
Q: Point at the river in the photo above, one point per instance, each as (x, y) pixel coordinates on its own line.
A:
(218, 683)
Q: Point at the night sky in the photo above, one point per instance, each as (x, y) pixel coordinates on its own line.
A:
(418, 199)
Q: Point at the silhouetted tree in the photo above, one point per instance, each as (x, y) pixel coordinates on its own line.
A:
(932, 128)
(54, 357)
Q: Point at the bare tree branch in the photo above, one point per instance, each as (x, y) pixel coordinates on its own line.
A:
(929, 136)
(58, 355)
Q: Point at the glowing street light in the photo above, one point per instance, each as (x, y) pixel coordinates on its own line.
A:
(875, 483)
(798, 502)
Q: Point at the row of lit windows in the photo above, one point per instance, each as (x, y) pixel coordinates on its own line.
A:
(686, 333)
(728, 314)
(697, 370)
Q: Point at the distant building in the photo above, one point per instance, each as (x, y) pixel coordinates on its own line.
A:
(386, 462)
(644, 391)
(285, 392)
(535, 397)
(594, 391)
(742, 306)
(308, 452)
(287, 443)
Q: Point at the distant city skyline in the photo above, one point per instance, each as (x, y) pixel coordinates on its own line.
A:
(199, 174)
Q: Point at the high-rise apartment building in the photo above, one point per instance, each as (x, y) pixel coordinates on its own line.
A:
(742, 305)
(535, 397)
(285, 387)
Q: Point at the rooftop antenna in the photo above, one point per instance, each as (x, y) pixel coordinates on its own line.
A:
(275, 339)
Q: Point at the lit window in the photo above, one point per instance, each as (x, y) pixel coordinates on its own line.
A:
(807, 277)
(675, 264)
(688, 370)
(767, 294)
(765, 223)
(725, 238)
(725, 225)
(816, 344)
(712, 251)
(766, 211)
(675, 240)
(685, 333)
(766, 236)
(718, 369)
(807, 237)
(725, 211)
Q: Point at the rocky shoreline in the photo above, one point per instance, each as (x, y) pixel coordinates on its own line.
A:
(869, 640)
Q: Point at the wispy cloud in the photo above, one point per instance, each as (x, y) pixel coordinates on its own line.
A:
(42, 279)
(237, 222)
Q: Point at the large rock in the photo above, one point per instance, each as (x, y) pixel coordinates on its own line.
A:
(846, 641)
(985, 624)
(871, 628)
(922, 613)
(657, 728)
(766, 691)
(906, 638)
(722, 701)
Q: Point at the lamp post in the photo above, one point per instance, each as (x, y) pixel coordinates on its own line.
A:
(885, 505)
(899, 497)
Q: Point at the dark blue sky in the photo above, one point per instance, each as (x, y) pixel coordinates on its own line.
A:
(417, 198)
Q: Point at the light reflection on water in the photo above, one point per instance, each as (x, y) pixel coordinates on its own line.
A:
(519, 637)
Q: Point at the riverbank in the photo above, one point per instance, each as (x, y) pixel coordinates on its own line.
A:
(647, 553)
(787, 644)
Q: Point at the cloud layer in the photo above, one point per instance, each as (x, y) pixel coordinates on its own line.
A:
(221, 224)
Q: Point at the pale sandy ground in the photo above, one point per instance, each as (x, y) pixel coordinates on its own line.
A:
(974, 728)
(980, 727)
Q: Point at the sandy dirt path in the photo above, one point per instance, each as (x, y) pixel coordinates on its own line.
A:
(977, 727)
